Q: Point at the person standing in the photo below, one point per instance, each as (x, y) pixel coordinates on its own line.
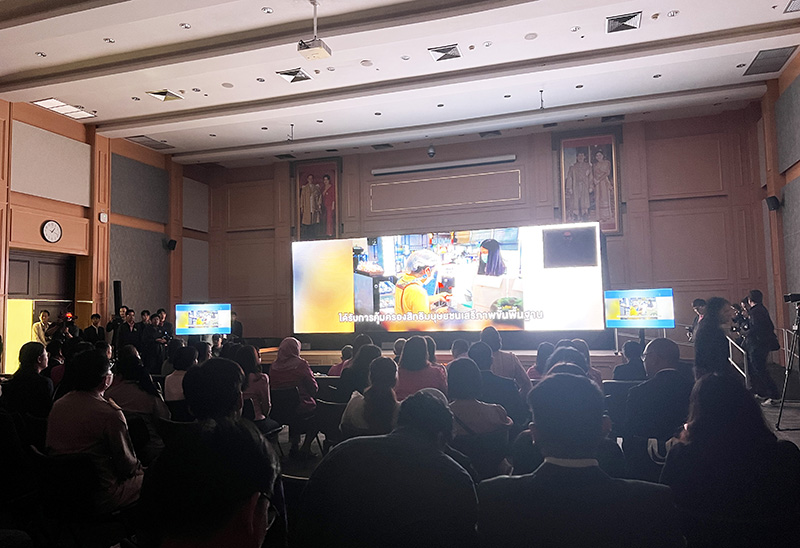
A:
(577, 185)
(699, 307)
(128, 333)
(711, 339)
(603, 188)
(329, 206)
(39, 329)
(237, 329)
(94, 332)
(759, 341)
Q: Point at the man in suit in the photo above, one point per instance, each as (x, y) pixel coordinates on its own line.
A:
(568, 500)
(759, 341)
(657, 408)
(94, 332)
(394, 490)
(128, 333)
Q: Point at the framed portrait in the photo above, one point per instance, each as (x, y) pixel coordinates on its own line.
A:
(317, 191)
(589, 183)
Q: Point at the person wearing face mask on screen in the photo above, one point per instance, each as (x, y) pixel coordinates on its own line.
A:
(410, 294)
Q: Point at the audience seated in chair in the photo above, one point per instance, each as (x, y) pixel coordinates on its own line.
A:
(527, 457)
(212, 490)
(356, 376)
(135, 392)
(734, 482)
(569, 500)
(633, 368)
(183, 359)
(361, 339)
(543, 351)
(656, 409)
(376, 411)
(415, 372)
(83, 421)
(505, 364)
(291, 371)
(481, 429)
(28, 391)
(499, 390)
(395, 490)
(347, 354)
(168, 366)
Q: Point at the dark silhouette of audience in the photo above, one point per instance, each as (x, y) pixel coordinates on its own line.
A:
(374, 412)
(213, 490)
(28, 391)
(356, 377)
(415, 371)
(710, 339)
(734, 482)
(633, 368)
(569, 500)
(395, 490)
(499, 390)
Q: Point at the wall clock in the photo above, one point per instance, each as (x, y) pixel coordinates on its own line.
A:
(51, 231)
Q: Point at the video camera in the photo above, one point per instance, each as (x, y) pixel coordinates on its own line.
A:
(791, 298)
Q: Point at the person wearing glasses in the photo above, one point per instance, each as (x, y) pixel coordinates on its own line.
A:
(84, 422)
(214, 489)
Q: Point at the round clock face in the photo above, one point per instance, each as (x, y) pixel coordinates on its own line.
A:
(51, 231)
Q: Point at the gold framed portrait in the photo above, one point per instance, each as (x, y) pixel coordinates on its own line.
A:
(317, 192)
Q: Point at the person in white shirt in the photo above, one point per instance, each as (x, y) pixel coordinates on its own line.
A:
(39, 329)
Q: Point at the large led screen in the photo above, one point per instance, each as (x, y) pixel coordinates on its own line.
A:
(202, 319)
(535, 278)
(640, 308)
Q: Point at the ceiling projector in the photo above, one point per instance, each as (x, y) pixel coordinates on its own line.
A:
(313, 49)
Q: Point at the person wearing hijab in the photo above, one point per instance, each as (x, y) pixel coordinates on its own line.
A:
(491, 262)
(290, 370)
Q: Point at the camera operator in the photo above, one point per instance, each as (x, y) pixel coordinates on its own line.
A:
(154, 345)
(760, 340)
(64, 329)
(699, 308)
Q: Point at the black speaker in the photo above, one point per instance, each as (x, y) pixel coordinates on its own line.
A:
(172, 244)
(773, 203)
(117, 295)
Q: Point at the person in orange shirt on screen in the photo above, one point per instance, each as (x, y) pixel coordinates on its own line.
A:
(410, 294)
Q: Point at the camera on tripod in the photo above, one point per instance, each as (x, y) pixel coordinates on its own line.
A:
(791, 298)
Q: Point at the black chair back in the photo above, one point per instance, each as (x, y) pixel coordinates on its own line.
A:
(329, 415)
(179, 411)
(138, 431)
(284, 404)
(248, 409)
(616, 402)
(486, 451)
(69, 481)
(328, 389)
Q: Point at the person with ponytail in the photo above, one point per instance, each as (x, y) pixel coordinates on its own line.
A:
(375, 412)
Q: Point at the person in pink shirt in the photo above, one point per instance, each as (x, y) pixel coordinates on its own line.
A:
(347, 355)
(289, 370)
(415, 372)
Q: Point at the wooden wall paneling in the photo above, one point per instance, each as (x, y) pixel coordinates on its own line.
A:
(640, 246)
(686, 167)
(217, 273)
(691, 247)
(283, 318)
(350, 198)
(539, 182)
(633, 163)
(250, 265)
(742, 239)
(175, 232)
(135, 222)
(250, 206)
(25, 231)
(282, 196)
(617, 260)
(92, 276)
(53, 122)
(257, 316)
(218, 208)
(775, 184)
(5, 170)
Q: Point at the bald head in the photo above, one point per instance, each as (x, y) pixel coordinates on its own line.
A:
(660, 354)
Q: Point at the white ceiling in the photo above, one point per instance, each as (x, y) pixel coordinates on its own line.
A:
(493, 86)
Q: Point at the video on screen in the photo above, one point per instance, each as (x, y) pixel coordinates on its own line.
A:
(202, 319)
(536, 278)
(640, 308)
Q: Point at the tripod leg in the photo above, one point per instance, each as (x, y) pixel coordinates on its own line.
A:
(792, 350)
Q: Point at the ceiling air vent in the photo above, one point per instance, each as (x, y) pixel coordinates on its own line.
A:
(615, 118)
(792, 6)
(485, 134)
(551, 124)
(334, 150)
(285, 156)
(443, 53)
(164, 95)
(770, 60)
(618, 23)
(144, 140)
(383, 146)
(294, 75)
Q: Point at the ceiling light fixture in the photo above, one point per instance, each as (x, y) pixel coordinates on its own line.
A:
(196, 90)
(260, 80)
(444, 53)
(507, 96)
(294, 75)
(315, 48)
(267, 10)
(319, 121)
(331, 69)
(227, 85)
(656, 76)
(741, 65)
(579, 86)
(531, 36)
(440, 105)
(76, 112)
(109, 41)
(165, 95)
(41, 54)
(405, 57)
(185, 26)
(212, 134)
(264, 128)
(576, 28)
(487, 44)
(378, 113)
(672, 13)
(135, 99)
